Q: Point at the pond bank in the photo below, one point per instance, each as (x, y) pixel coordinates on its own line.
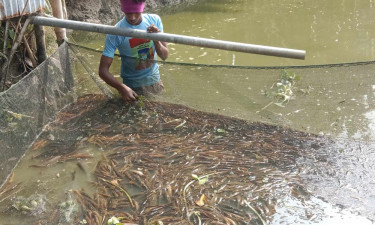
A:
(108, 11)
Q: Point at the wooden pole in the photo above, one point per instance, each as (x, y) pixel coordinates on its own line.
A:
(40, 43)
(57, 11)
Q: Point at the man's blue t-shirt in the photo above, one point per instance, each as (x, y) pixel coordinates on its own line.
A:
(138, 68)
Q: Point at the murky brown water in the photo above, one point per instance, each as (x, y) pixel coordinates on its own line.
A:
(330, 31)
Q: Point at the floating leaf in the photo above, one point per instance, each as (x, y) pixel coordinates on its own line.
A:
(221, 131)
(114, 182)
(202, 180)
(15, 115)
(114, 221)
(201, 200)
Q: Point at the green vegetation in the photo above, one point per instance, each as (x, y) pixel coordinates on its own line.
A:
(114, 221)
(283, 90)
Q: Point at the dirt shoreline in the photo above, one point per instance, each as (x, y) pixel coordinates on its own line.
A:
(109, 11)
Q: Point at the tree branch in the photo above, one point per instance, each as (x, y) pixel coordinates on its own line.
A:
(5, 68)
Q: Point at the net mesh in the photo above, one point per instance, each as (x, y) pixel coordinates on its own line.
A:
(221, 144)
(30, 105)
(332, 99)
(329, 100)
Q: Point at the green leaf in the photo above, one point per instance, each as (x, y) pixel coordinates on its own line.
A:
(11, 34)
(195, 177)
(220, 130)
(114, 221)
(203, 180)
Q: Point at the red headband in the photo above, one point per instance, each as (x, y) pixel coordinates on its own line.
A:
(131, 6)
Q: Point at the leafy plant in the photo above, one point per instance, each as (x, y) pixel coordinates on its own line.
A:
(11, 35)
(283, 90)
(141, 101)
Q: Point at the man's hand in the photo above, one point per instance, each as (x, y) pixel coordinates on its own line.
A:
(153, 29)
(128, 95)
(161, 47)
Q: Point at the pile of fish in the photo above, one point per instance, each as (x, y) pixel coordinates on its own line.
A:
(168, 164)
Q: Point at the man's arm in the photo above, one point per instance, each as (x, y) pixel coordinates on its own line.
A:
(161, 47)
(128, 95)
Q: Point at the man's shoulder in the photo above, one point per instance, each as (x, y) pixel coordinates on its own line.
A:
(121, 23)
(152, 17)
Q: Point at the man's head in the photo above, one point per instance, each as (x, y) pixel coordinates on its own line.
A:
(133, 10)
(132, 6)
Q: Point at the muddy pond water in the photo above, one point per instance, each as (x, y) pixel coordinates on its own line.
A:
(331, 32)
(222, 153)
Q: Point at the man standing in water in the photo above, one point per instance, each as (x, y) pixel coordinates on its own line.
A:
(139, 72)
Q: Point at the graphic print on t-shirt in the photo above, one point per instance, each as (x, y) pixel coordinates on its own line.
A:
(143, 53)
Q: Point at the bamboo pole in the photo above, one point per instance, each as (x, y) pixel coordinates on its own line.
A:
(57, 11)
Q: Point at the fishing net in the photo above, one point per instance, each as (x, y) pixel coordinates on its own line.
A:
(220, 145)
(28, 106)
